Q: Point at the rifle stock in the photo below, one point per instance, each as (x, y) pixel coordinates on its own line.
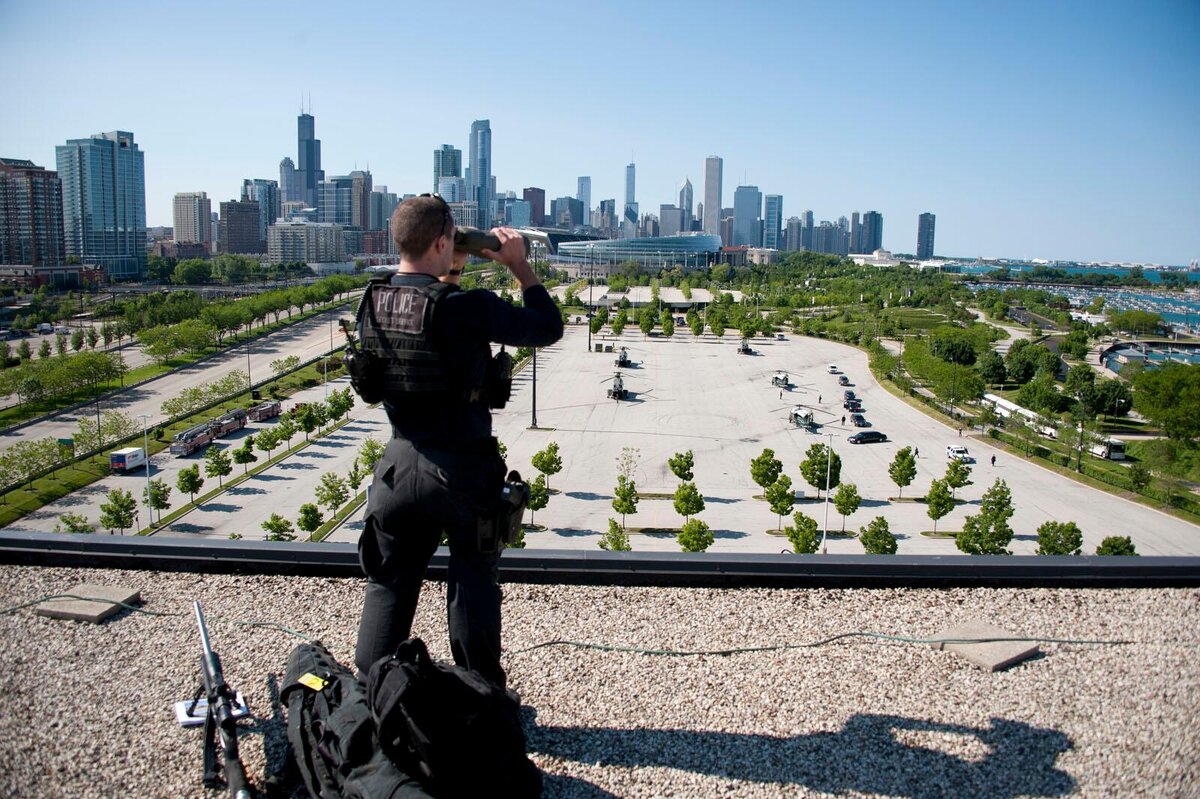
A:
(219, 723)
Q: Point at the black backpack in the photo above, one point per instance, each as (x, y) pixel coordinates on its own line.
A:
(332, 734)
(459, 733)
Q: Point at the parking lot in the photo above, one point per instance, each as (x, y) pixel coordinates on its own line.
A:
(699, 395)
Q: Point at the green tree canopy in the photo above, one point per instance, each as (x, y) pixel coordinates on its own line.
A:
(615, 540)
(217, 463)
(625, 497)
(310, 518)
(1170, 396)
(803, 534)
(688, 500)
(695, 536)
(548, 462)
(938, 501)
(1059, 538)
(279, 528)
(159, 498)
(189, 481)
(539, 495)
(765, 469)
(681, 465)
(988, 532)
(903, 469)
(117, 511)
(332, 492)
(847, 501)
(1116, 545)
(877, 538)
(818, 459)
(781, 497)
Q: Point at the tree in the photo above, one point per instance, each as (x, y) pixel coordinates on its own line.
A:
(193, 271)
(73, 523)
(1139, 477)
(189, 481)
(93, 338)
(60, 343)
(244, 455)
(615, 540)
(24, 352)
(625, 497)
(903, 469)
(331, 492)
(77, 339)
(321, 413)
(1170, 396)
(1059, 538)
(1081, 378)
(539, 495)
(310, 518)
(1113, 398)
(44, 349)
(991, 367)
(958, 474)
(118, 511)
(548, 462)
(159, 498)
(688, 500)
(668, 324)
(1116, 545)
(217, 463)
(877, 538)
(340, 403)
(646, 321)
(695, 536)
(939, 501)
(356, 475)
(953, 345)
(306, 419)
(627, 461)
(695, 323)
(681, 465)
(803, 536)
(819, 460)
(267, 440)
(847, 501)
(279, 528)
(781, 498)
(765, 469)
(619, 321)
(1040, 394)
(988, 533)
(369, 452)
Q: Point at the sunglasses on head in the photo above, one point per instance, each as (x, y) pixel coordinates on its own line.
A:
(446, 217)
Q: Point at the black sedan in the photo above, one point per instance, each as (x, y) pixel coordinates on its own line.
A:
(859, 420)
(867, 437)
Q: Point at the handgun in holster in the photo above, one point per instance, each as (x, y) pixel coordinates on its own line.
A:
(500, 527)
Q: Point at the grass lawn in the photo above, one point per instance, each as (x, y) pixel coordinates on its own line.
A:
(1189, 459)
(915, 318)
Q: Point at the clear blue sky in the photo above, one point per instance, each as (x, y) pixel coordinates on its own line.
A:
(1040, 129)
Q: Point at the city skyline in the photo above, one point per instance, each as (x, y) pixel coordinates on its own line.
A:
(1058, 133)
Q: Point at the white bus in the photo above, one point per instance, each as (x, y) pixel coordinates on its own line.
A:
(1112, 449)
(1006, 409)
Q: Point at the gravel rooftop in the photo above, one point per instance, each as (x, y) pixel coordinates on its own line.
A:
(85, 710)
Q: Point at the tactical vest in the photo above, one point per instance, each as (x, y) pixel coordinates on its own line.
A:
(395, 327)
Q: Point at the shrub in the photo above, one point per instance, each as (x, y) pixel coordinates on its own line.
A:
(877, 538)
(1059, 538)
(1116, 545)
(695, 536)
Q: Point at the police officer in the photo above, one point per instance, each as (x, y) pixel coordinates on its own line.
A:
(442, 471)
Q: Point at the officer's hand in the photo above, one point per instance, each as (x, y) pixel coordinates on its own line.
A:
(512, 255)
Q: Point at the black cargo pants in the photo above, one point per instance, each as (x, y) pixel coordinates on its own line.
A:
(419, 491)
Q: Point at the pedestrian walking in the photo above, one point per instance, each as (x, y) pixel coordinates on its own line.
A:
(843, 419)
(916, 452)
(818, 399)
(993, 460)
(781, 393)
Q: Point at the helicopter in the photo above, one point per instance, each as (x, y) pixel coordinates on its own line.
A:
(781, 379)
(801, 416)
(617, 390)
(744, 348)
(622, 358)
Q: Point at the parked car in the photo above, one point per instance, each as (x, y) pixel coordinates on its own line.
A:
(867, 437)
(859, 420)
(833, 368)
(852, 405)
(44, 327)
(957, 452)
(848, 395)
(843, 380)
(62, 329)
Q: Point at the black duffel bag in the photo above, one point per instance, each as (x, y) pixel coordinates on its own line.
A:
(455, 730)
(332, 734)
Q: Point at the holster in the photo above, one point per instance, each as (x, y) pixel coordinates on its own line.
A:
(500, 527)
(364, 371)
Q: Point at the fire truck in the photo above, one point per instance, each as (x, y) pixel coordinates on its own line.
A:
(267, 410)
(226, 424)
(192, 439)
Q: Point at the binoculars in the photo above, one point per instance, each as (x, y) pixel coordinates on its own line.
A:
(475, 241)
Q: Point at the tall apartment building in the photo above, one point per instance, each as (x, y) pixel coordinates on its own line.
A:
(447, 163)
(517, 214)
(31, 214)
(747, 211)
(872, 231)
(383, 203)
(773, 222)
(479, 180)
(309, 174)
(629, 216)
(266, 194)
(306, 242)
(360, 199)
(239, 228)
(288, 191)
(583, 193)
(335, 200)
(537, 205)
(670, 220)
(686, 202)
(452, 189)
(794, 237)
(856, 233)
(192, 217)
(925, 226)
(713, 167)
(567, 212)
(104, 202)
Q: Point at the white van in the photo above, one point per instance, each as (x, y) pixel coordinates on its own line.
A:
(957, 452)
(833, 368)
(44, 327)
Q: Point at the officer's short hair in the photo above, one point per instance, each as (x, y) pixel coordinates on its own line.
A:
(418, 221)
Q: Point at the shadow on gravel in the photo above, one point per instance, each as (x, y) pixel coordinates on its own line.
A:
(867, 756)
(272, 477)
(720, 500)
(873, 503)
(294, 465)
(245, 489)
(728, 534)
(221, 507)
(586, 495)
(572, 532)
(187, 527)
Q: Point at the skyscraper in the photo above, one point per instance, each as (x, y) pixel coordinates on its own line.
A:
(629, 216)
(288, 188)
(856, 233)
(479, 181)
(712, 194)
(795, 234)
(773, 222)
(670, 220)
(192, 217)
(360, 199)
(239, 228)
(537, 205)
(806, 220)
(104, 202)
(925, 225)
(31, 214)
(747, 208)
(872, 231)
(266, 194)
(310, 174)
(452, 189)
(685, 203)
(447, 163)
(335, 200)
(583, 193)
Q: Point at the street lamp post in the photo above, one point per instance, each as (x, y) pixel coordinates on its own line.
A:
(828, 472)
(146, 450)
(533, 420)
